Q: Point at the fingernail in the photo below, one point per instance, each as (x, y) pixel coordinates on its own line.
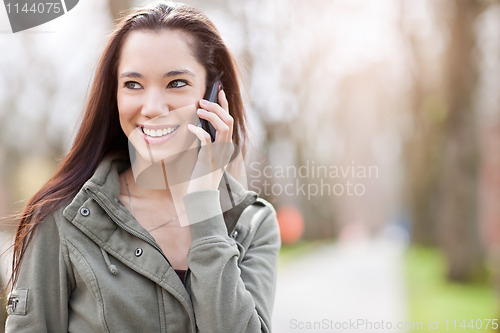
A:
(204, 102)
(202, 111)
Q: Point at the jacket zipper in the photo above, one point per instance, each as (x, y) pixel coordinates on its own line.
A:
(128, 229)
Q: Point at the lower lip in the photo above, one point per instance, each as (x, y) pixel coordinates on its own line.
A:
(157, 139)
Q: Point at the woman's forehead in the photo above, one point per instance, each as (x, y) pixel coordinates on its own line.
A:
(163, 50)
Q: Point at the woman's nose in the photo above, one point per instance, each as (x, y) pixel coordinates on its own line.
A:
(155, 104)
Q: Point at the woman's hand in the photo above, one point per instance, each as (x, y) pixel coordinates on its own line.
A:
(213, 156)
(219, 117)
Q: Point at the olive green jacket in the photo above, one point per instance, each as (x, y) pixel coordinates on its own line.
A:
(91, 267)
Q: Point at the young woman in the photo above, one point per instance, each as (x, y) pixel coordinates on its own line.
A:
(97, 250)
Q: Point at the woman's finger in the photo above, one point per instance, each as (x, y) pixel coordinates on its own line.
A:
(223, 130)
(223, 101)
(221, 110)
(200, 133)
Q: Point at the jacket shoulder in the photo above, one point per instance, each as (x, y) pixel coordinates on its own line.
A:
(50, 227)
(258, 218)
(264, 203)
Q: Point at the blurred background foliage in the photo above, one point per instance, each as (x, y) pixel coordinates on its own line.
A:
(410, 87)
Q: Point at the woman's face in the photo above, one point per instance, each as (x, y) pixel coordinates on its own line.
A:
(160, 83)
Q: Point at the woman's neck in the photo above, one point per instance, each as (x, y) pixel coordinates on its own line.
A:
(146, 192)
(162, 174)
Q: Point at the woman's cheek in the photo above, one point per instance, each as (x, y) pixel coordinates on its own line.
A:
(126, 116)
(128, 107)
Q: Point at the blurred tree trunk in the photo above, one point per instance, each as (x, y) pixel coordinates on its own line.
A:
(441, 155)
(490, 195)
(422, 155)
(422, 150)
(489, 130)
(458, 221)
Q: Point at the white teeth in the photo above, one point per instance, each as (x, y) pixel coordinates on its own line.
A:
(158, 132)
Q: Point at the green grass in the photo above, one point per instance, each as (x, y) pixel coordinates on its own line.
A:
(432, 298)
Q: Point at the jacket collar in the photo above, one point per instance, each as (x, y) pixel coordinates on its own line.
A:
(104, 187)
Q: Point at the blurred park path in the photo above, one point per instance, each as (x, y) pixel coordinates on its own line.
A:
(343, 287)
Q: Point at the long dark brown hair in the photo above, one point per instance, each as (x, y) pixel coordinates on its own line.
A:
(100, 132)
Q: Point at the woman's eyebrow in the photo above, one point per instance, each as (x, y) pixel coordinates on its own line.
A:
(131, 74)
(168, 74)
(178, 72)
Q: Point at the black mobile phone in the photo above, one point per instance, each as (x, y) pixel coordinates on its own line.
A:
(211, 95)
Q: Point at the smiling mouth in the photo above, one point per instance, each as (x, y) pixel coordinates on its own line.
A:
(158, 133)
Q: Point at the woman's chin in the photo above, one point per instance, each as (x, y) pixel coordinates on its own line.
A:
(166, 153)
(153, 156)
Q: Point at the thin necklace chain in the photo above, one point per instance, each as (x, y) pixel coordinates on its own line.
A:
(132, 209)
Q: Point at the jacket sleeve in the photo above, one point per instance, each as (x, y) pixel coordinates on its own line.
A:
(39, 300)
(227, 296)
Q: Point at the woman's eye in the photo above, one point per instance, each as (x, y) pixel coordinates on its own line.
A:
(177, 84)
(132, 85)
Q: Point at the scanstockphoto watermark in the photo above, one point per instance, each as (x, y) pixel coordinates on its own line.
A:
(311, 179)
(358, 324)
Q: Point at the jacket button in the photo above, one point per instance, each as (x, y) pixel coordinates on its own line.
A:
(234, 234)
(85, 211)
(138, 252)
